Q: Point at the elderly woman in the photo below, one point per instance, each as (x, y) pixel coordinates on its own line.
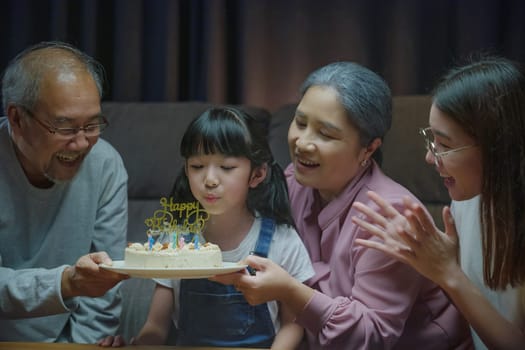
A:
(359, 298)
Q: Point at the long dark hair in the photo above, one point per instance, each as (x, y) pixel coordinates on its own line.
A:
(232, 132)
(487, 98)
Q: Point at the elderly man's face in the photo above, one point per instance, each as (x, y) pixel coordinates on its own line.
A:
(66, 100)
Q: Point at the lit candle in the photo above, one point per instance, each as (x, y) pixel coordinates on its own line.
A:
(196, 241)
(150, 241)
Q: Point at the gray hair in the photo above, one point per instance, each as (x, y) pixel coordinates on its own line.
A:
(364, 95)
(23, 75)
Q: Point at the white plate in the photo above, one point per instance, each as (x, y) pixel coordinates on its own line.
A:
(192, 272)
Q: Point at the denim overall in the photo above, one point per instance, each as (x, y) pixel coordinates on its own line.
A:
(212, 314)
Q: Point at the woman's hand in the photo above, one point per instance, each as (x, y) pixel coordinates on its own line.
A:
(270, 282)
(412, 237)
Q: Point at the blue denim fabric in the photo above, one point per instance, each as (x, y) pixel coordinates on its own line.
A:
(212, 314)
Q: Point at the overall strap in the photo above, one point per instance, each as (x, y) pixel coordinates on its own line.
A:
(251, 326)
(265, 237)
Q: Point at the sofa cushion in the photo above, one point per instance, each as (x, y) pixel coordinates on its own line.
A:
(278, 137)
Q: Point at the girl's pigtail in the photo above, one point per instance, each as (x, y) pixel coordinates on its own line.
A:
(270, 198)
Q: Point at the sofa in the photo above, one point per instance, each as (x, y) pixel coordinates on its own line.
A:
(147, 135)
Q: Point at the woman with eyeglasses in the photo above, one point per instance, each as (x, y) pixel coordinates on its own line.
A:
(476, 141)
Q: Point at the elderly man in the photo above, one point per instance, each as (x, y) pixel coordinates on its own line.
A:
(63, 196)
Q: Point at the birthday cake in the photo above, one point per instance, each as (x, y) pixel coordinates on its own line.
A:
(175, 239)
(166, 256)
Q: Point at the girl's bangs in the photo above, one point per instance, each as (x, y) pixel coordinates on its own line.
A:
(219, 133)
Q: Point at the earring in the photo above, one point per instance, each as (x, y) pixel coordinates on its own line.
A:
(365, 162)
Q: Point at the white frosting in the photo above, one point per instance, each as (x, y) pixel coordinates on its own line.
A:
(165, 256)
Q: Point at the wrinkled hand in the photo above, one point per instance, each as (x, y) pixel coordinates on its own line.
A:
(412, 237)
(112, 341)
(270, 282)
(86, 278)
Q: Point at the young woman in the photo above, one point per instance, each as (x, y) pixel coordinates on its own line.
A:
(230, 170)
(359, 298)
(476, 141)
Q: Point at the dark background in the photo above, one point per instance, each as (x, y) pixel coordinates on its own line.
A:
(259, 51)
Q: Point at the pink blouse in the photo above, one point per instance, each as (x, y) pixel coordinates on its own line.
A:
(365, 299)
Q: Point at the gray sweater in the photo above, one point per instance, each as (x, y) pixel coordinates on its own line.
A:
(44, 230)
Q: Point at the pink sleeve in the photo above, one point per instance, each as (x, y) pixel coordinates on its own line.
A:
(372, 313)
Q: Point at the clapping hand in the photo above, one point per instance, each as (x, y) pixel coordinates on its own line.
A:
(411, 237)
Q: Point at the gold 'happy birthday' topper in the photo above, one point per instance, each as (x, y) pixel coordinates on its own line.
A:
(178, 216)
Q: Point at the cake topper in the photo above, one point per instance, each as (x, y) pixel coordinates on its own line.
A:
(177, 219)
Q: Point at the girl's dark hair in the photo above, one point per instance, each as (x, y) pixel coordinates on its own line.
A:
(487, 98)
(232, 132)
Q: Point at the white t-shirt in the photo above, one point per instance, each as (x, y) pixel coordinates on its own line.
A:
(509, 302)
(286, 249)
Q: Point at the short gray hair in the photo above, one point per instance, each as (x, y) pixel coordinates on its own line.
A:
(23, 75)
(364, 95)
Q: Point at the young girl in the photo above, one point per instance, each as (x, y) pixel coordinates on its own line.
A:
(230, 170)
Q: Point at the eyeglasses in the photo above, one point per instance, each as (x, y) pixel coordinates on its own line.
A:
(90, 130)
(428, 135)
